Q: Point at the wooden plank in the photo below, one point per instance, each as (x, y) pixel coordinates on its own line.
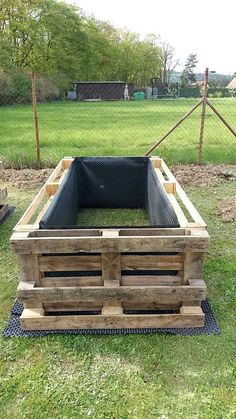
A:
(3, 195)
(160, 175)
(29, 268)
(44, 209)
(26, 217)
(190, 207)
(182, 219)
(63, 175)
(122, 232)
(87, 306)
(39, 197)
(193, 266)
(156, 161)
(149, 280)
(55, 172)
(33, 313)
(152, 232)
(79, 281)
(67, 306)
(126, 280)
(197, 283)
(36, 321)
(110, 233)
(112, 309)
(33, 304)
(93, 294)
(66, 233)
(184, 198)
(117, 244)
(151, 305)
(70, 263)
(111, 269)
(170, 187)
(66, 162)
(151, 262)
(30, 228)
(52, 188)
(191, 310)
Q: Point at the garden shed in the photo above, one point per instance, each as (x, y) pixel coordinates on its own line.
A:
(101, 90)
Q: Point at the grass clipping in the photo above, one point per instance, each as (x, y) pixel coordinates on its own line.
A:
(227, 209)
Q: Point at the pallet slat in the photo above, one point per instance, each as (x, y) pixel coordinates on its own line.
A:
(151, 262)
(126, 280)
(69, 263)
(118, 244)
(34, 320)
(96, 293)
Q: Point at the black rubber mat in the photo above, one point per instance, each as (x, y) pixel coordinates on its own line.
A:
(11, 209)
(211, 327)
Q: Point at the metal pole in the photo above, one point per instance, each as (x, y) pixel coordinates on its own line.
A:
(203, 115)
(173, 128)
(34, 97)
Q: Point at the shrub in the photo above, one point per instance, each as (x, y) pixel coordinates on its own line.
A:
(15, 88)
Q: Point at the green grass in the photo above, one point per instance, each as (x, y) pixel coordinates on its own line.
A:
(115, 128)
(112, 217)
(133, 376)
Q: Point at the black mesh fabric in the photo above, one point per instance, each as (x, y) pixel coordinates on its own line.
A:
(13, 328)
(109, 182)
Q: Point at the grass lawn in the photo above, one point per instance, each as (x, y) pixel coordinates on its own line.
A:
(115, 128)
(132, 376)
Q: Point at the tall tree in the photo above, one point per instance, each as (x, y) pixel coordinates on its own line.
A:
(60, 41)
(168, 62)
(188, 75)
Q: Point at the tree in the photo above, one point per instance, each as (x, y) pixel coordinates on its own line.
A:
(188, 75)
(168, 62)
(60, 41)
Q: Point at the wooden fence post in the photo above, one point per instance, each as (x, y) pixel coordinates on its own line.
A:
(203, 116)
(34, 98)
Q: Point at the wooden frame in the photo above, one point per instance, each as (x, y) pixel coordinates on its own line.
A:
(4, 208)
(104, 259)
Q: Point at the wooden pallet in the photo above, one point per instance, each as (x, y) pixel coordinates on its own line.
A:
(105, 260)
(4, 208)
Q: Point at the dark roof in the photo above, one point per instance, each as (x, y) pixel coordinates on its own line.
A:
(99, 82)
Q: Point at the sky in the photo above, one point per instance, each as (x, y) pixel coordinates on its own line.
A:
(205, 27)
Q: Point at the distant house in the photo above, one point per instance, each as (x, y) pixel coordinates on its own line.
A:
(232, 84)
(101, 90)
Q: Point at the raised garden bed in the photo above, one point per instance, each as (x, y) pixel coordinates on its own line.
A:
(106, 275)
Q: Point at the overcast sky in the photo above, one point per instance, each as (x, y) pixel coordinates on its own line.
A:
(205, 27)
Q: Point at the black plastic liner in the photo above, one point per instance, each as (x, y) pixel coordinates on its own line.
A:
(109, 182)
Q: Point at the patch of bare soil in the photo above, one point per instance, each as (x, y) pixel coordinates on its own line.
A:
(190, 175)
(203, 175)
(227, 209)
(25, 178)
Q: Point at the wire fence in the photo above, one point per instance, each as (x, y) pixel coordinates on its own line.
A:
(109, 118)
